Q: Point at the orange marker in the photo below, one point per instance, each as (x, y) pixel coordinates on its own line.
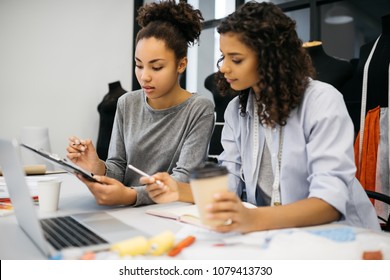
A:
(181, 245)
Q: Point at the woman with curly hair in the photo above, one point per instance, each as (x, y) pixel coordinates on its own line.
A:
(287, 138)
(161, 127)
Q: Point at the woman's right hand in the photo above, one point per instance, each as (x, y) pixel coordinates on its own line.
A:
(83, 153)
(166, 190)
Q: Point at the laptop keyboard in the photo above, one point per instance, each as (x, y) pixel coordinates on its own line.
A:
(63, 232)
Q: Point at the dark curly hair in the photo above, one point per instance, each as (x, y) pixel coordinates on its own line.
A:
(178, 25)
(283, 64)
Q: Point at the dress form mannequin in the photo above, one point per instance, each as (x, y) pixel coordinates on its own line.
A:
(377, 76)
(329, 69)
(378, 81)
(107, 110)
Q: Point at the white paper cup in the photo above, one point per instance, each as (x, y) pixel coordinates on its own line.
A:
(49, 195)
(205, 182)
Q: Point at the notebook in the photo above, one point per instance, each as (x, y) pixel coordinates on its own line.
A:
(188, 214)
(99, 229)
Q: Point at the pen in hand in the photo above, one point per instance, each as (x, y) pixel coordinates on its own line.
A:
(77, 144)
(140, 172)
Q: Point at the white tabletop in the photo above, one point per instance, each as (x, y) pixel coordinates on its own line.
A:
(304, 243)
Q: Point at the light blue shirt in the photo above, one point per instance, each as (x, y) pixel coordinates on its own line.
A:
(317, 158)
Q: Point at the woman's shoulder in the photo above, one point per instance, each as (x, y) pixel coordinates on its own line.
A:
(321, 98)
(131, 97)
(201, 101)
(233, 105)
(321, 90)
(232, 112)
(235, 102)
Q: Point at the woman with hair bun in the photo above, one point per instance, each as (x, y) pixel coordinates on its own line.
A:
(161, 127)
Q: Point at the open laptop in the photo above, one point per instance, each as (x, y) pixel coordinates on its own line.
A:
(98, 228)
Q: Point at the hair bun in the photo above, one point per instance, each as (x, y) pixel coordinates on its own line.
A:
(182, 16)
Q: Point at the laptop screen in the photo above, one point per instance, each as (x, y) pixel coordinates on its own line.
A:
(19, 193)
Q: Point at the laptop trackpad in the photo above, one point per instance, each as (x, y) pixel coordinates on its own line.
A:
(107, 226)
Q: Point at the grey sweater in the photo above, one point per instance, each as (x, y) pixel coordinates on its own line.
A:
(173, 140)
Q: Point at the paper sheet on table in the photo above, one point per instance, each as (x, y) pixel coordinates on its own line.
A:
(302, 243)
(32, 182)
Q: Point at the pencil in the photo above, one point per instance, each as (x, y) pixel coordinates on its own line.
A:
(140, 172)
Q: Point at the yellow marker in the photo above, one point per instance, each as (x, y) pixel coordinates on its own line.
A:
(161, 243)
(134, 246)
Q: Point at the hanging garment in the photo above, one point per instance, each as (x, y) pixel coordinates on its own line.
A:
(366, 170)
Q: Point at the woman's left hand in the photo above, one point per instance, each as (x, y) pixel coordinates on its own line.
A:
(227, 206)
(108, 191)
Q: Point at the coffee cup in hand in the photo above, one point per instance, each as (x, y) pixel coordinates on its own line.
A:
(205, 182)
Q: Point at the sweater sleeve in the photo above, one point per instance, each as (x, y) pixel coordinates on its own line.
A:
(195, 147)
(116, 162)
(142, 197)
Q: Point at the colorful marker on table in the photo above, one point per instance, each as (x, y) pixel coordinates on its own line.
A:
(181, 245)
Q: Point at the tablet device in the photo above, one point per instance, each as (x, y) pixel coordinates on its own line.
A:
(60, 162)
